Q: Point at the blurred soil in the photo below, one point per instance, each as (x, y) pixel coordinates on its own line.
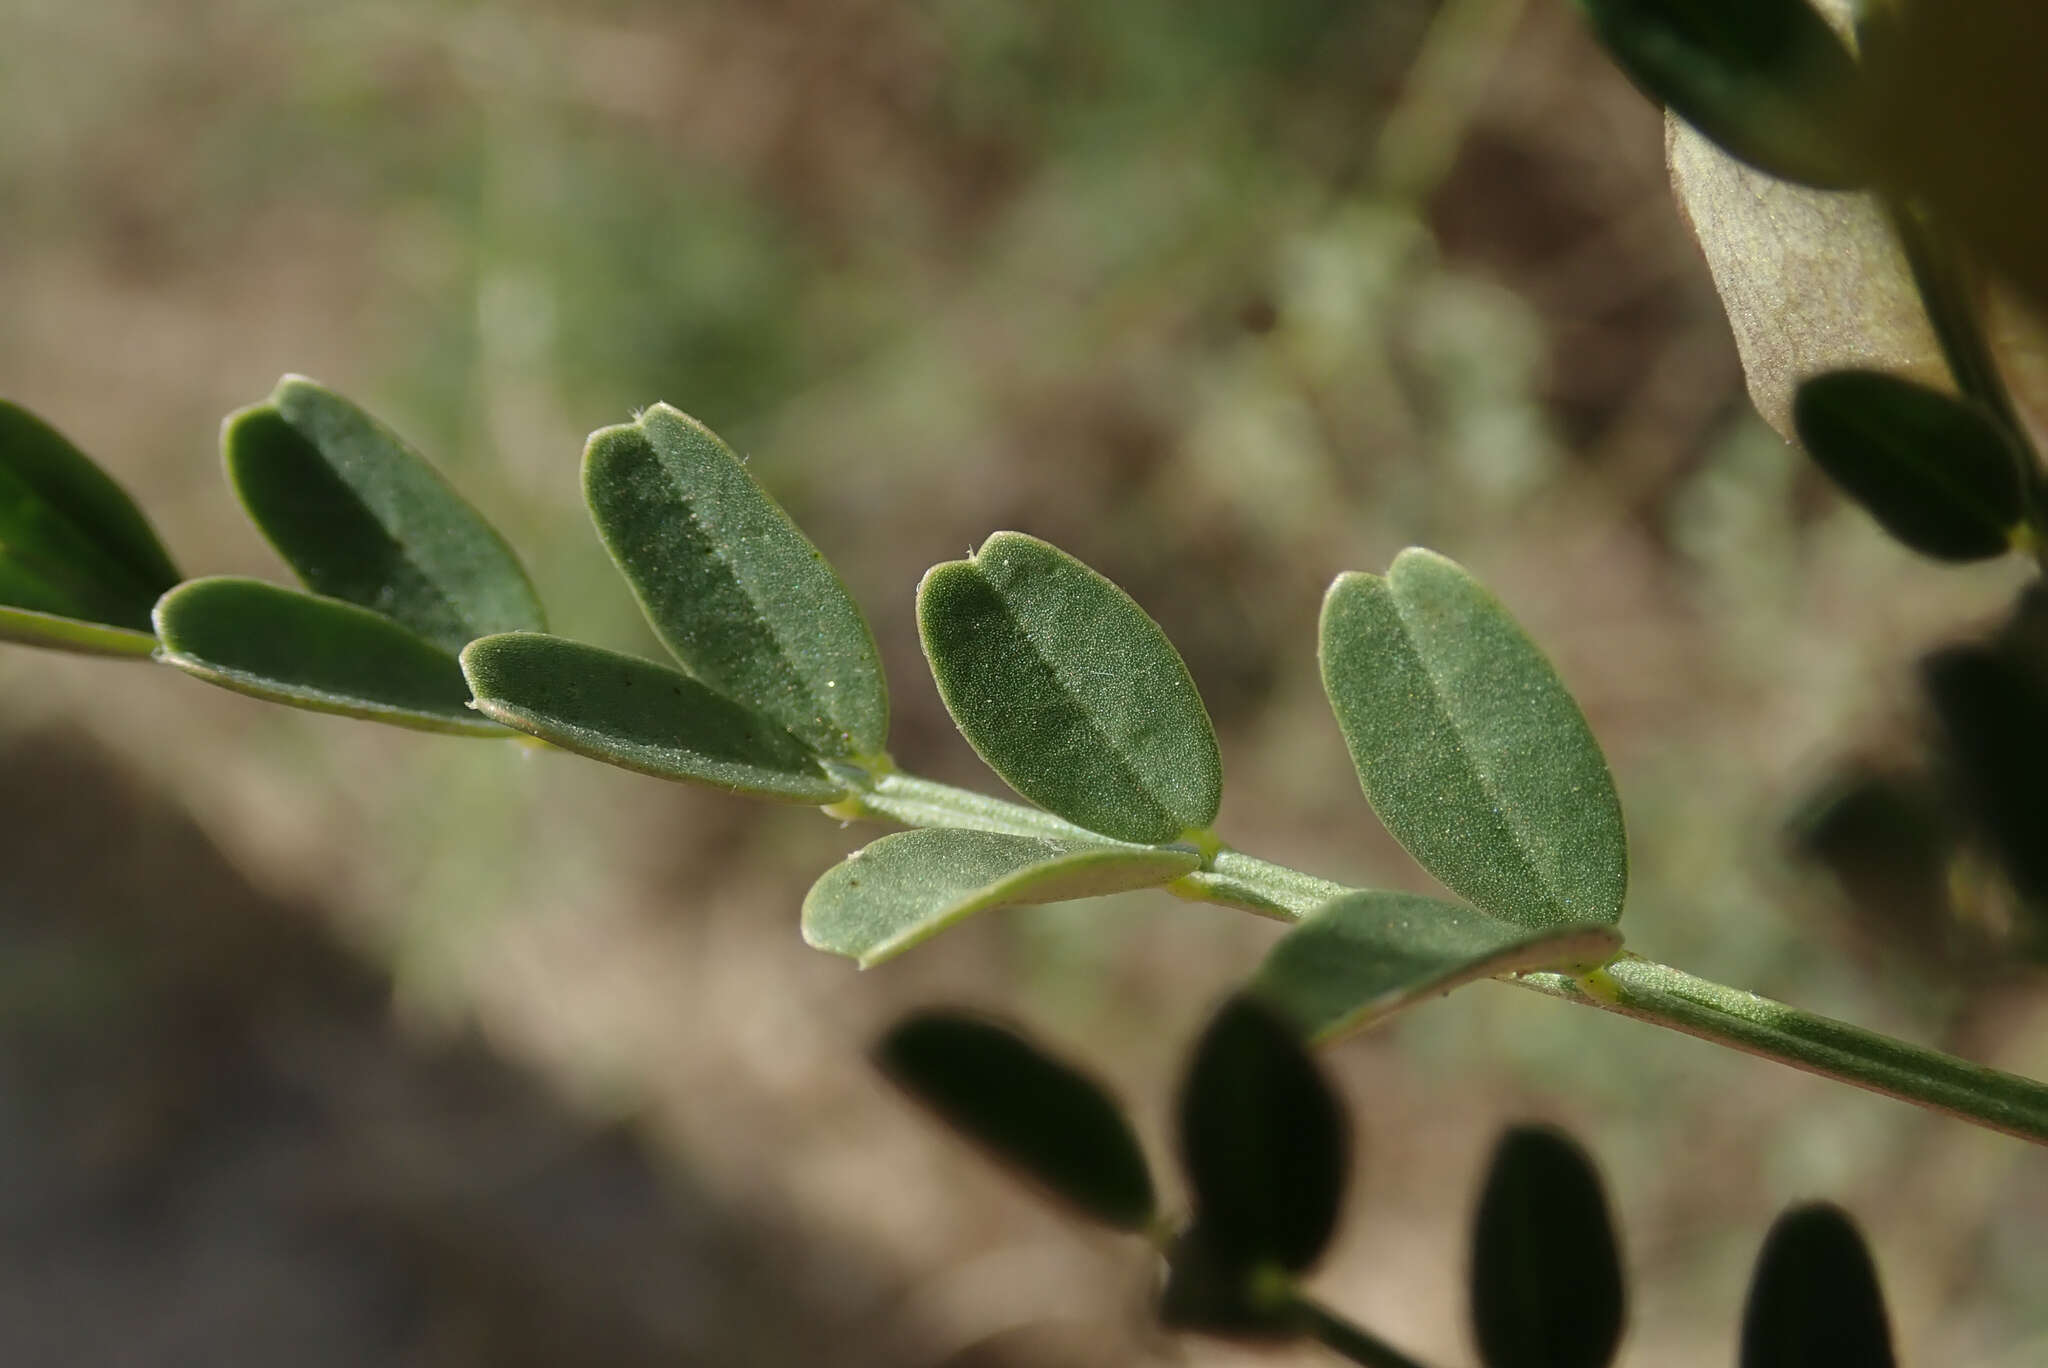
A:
(221, 1148)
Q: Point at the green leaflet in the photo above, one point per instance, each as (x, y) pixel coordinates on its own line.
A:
(630, 712)
(1766, 79)
(1938, 473)
(72, 546)
(360, 516)
(315, 653)
(1469, 748)
(1055, 1125)
(1265, 1144)
(1365, 956)
(906, 888)
(1546, 1274)
(1069, 691)
(730, 585)
(1814, 1300)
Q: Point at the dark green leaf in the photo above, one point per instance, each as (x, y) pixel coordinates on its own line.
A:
(1890, 837)
(1469, 748)
(1546, 1276)
(1264, 1140)
(1935, 471)
(1210, 1291)
(633, 713)
(1766, 79)
(905, 888)
(1057, 1126)
(1069, 691)
(316, 653)
(1814, 1300)
(1367, 955)
(360, 516)
(1993, 716)
(72, 545)
(731, 586)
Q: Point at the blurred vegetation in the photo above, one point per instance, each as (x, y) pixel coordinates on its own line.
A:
(1224, 297)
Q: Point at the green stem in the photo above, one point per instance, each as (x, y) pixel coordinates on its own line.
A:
(919, 802)
(1947, 293)
(1448, 78)
(1648, 991)
(1235, 879)
(1228, 877)
(1630, 985)
(1942, 274)
(1353, 1342)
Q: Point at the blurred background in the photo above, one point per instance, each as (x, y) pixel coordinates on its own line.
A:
(326, 1043)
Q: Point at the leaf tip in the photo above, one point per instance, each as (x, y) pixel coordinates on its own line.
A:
(661, 414)
(610, 435)
(814, 937)
(296, 397)
(663, 411)
(995, 543)
(476, 659)
(1350, 581)
(240, 418)
(636, 436)
(1415, 560)
(937, 577)
(159, 613)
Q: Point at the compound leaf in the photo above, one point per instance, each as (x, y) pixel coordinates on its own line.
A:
(732, 588)
(315, 653)
(1814, 1300)
(638, 715)
(1936, 472)
(1363, 957)
(1546, 1276)
(1766, 79)
(903, 889)
(361, 516)
(1264, 1140)
(1469, 748)
(1035, 1113)
(80, 567)
(1069, 691)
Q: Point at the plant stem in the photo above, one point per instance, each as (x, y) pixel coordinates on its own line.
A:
(1229, 877)
(1949, 296)
(1353, 1342)
(1636, 987)
(1943, 276)
(1420, 136)
(919, 802)
(1630, 985)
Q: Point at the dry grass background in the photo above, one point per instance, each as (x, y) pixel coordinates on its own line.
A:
(1223, 297)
